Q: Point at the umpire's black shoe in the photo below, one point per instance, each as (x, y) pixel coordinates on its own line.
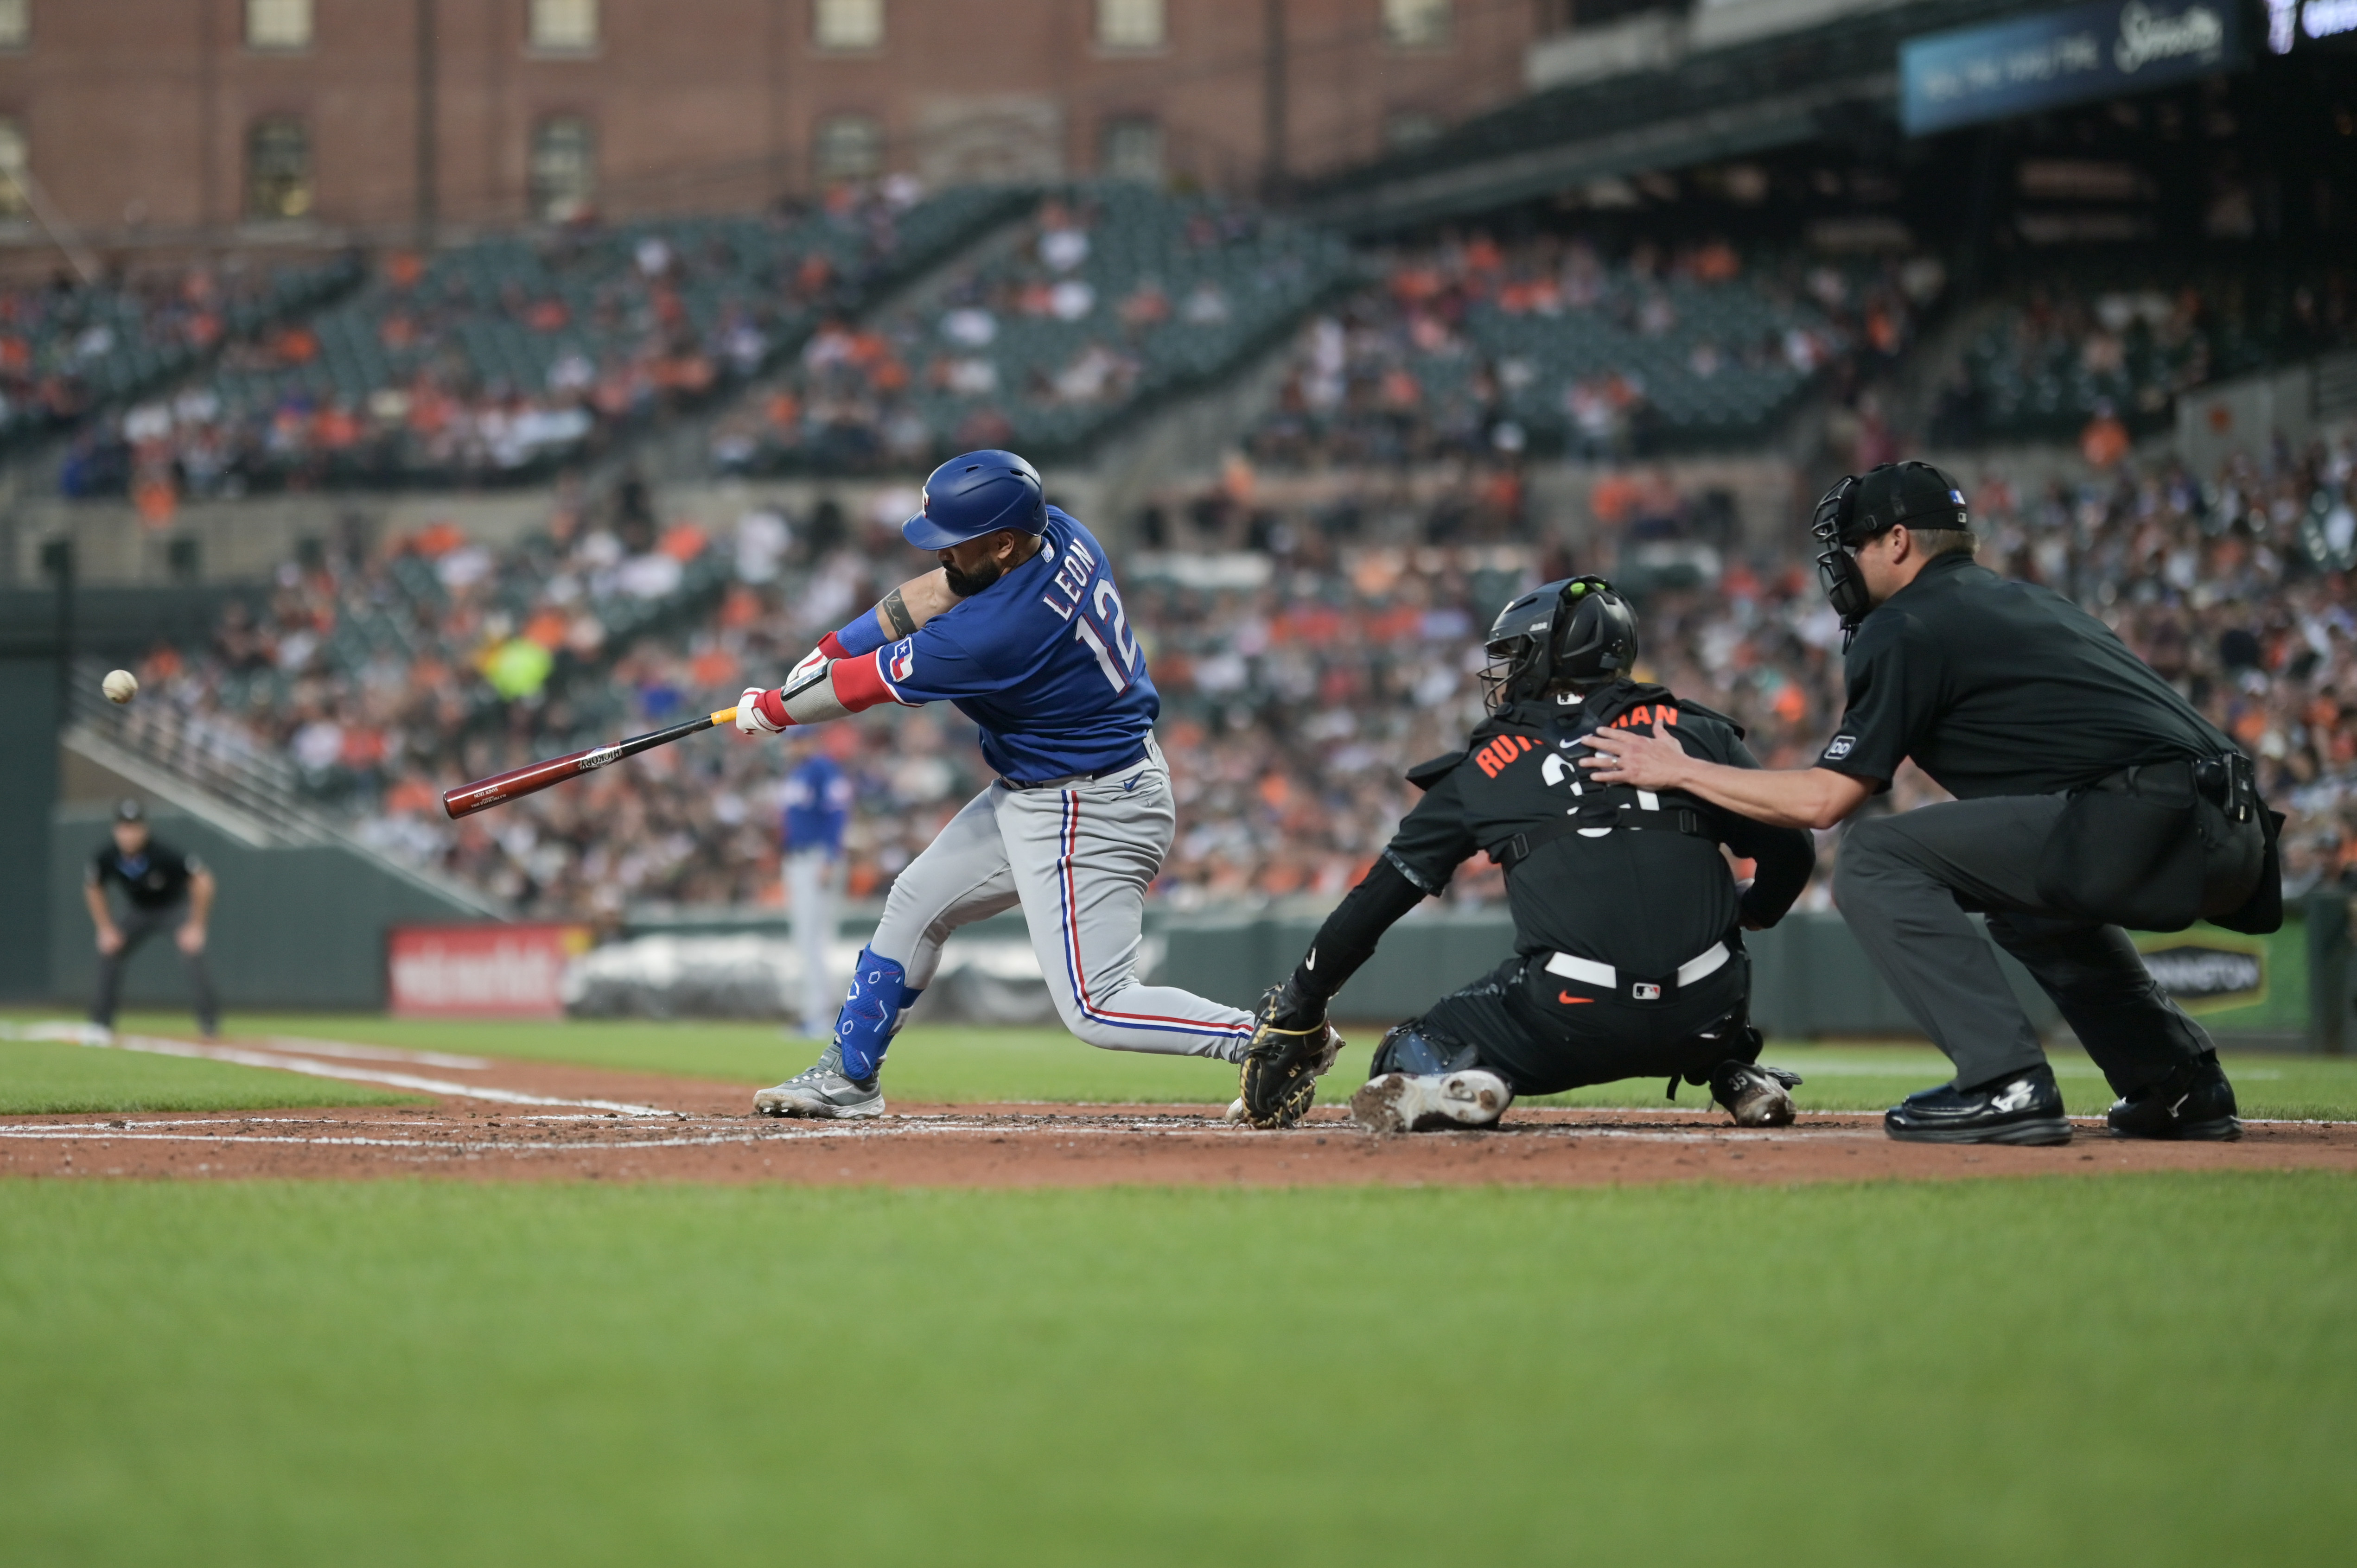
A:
(2020, 1108)
(2194, 1102)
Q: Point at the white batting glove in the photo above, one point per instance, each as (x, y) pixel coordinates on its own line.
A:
(751, 718)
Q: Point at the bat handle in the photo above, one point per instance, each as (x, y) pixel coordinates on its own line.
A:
(724, 717)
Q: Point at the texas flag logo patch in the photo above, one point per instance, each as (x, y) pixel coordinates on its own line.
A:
(903, 659)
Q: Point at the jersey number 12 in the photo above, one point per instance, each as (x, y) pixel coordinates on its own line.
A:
(1119, 662)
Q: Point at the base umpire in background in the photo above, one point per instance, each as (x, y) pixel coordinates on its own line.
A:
(1627, 920)
(2090, 796)
(163, 889)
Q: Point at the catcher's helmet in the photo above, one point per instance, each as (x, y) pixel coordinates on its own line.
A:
(1578, 632)
(979, 493)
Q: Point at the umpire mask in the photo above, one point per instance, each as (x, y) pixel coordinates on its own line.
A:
(1858, 510)
(1577, 632)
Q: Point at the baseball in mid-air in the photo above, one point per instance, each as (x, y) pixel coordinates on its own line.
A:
(120, 685)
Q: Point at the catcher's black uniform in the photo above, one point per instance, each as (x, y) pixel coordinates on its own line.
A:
(1628, 955)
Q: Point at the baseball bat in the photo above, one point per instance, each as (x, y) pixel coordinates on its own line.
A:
(500, 788)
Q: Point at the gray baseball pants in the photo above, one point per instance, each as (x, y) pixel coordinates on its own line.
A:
(1079, 860)
(1904, 883)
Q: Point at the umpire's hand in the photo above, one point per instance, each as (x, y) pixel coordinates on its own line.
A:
(1641, 761)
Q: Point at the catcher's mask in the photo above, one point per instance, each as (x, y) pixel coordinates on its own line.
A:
(1578, 632)
(1858, 510)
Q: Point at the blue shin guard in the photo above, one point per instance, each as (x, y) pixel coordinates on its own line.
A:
(871, 1015)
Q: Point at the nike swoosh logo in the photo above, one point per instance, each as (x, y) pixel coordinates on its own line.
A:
(1569, 1000)
(1132, 784)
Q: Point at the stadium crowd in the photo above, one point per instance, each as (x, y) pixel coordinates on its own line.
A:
(491, 361)
(1300, 678)
(1469, 349)
(1107, 295)
(67, 347)
(2116, 348)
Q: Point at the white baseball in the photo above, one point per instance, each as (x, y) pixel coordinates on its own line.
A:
(120, 685)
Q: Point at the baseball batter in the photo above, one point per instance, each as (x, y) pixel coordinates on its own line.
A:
(1022, 629)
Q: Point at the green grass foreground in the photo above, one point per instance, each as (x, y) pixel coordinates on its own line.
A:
(960, 1065)
(2147, 1371)
(49, 1078)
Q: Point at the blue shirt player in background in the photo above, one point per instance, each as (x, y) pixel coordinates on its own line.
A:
(817, 809)
(1022, 629)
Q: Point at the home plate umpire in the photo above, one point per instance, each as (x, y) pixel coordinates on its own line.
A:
(2090, 796)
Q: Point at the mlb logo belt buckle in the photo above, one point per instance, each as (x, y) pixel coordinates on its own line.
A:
(1643, 992)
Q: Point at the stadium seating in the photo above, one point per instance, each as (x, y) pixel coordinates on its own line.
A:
(1543, 345)
(66, 347)
(491, 362)
(2127, 341)
(1114, 294)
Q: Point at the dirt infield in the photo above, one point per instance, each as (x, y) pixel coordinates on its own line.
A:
(518, 1121)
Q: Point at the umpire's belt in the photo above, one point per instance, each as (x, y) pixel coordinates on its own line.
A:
(1604, 977)
(2227, 781)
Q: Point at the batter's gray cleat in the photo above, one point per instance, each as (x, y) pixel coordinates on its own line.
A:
(822, 1091)
(1755, 1096)
(1409, 1103)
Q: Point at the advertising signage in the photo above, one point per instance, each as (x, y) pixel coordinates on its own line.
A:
(2055, 58)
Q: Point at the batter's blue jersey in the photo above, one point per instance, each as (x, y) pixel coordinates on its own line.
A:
(1043, 659)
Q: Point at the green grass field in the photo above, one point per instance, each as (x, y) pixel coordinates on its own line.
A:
(959, 1064)
(45, 1076)
(2147, 1371)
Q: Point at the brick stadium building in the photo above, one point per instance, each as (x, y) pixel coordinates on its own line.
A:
(165, 122)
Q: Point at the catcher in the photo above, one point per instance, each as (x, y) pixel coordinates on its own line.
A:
(1627, 919)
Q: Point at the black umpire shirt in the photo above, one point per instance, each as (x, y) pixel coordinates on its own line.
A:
(1997, 687)
(155, 878)
(1644, 899)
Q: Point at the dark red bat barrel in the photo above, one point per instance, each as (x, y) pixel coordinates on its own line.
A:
(484, 793)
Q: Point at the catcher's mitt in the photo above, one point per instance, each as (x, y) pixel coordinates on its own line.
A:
(1279, 1074)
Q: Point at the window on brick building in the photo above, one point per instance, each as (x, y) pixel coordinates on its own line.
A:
(564, 24)
(278, 24)
(1129, 24)
(1132, 149)
(15, 24)
(848, 24)
(563, 168)
(16, 171)
(1418, 24)
(278, 170)
(848, 146)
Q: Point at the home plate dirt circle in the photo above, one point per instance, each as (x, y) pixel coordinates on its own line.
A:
(524, 1121)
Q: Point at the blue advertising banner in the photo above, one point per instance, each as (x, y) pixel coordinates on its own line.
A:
(2101, 50)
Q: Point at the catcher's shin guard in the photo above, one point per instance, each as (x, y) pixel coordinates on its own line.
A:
(1278, 1076)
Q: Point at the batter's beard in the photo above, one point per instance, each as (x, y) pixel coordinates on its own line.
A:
(965, 586)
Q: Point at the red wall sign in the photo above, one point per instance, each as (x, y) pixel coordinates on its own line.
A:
(480, 971)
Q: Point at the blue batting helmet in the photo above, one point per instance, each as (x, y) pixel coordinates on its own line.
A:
(979, 493)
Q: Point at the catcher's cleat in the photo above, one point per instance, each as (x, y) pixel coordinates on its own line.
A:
(821, 1091)
(1413, 1102)
(1755, 1096)
(1280, 1068)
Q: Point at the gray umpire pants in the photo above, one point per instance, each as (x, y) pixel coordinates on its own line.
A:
(1904, 883)
(137, 927)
